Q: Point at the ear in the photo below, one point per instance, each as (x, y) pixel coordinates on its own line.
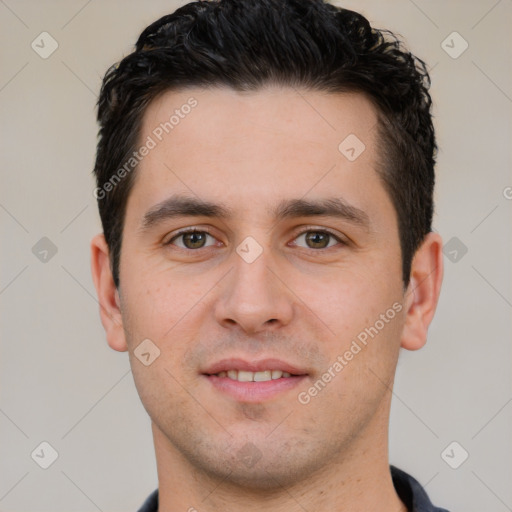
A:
(423, 291)
(108, 296)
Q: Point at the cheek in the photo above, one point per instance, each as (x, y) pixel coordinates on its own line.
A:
(170, 314)
(156, 303)
(350, 299)
(364, 315)
(160, 393)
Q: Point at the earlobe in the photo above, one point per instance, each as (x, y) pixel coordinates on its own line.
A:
(422, 293)
(108, 296)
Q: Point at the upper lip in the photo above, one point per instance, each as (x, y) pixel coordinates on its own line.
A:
(253, 366)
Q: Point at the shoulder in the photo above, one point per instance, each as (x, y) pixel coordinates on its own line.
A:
(412, 493)
(151, 503)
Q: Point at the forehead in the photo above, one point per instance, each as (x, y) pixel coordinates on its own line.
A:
(250, 147)
(279, 117)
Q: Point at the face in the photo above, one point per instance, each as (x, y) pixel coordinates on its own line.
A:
(279, 320)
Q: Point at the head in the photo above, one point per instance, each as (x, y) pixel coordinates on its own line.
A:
(244, 110)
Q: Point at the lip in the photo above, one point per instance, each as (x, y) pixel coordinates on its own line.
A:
(254, 392)
(253, 366)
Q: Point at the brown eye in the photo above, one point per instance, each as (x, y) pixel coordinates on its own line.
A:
(191, 239)
(318, 239)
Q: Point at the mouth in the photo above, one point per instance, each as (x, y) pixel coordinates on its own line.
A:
(245, 376)
(253, 381)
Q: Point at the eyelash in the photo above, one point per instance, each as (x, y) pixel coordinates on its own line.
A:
(207, 231)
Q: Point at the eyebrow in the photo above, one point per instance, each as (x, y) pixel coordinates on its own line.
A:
(185, 206)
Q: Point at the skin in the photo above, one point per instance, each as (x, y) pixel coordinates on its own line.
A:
(298, 302)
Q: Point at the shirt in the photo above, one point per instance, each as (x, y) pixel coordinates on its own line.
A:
(408, 489)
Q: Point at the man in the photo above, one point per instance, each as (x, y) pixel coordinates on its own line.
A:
(265, 173)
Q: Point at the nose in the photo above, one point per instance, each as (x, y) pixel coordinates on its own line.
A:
(254, 296)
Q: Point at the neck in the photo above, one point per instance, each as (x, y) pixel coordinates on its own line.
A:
(356, 482)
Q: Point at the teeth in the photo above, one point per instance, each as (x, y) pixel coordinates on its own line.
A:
(244, 376)
(262, 376)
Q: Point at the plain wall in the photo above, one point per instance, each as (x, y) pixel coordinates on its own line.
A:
(61, 383)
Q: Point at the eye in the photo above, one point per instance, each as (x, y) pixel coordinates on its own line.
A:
(319, 239)
(191, 239)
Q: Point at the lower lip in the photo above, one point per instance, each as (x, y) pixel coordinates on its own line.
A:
(254, 391)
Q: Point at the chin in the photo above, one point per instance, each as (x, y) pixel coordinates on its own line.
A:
(258, 470)
(258, 478)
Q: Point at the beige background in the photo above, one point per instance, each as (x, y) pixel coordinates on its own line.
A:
(61, 383)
